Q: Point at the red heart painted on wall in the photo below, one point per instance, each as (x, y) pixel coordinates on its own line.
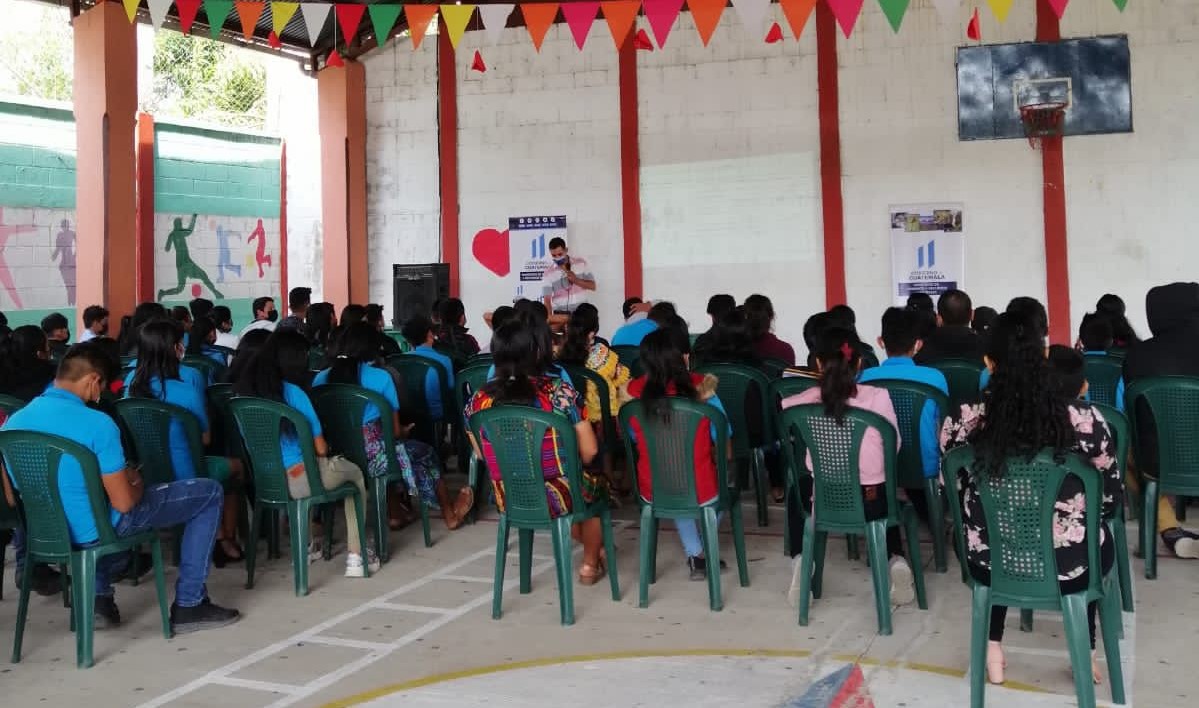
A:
(490, 249)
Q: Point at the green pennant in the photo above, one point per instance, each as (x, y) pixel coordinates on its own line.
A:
(1121, 4)
(383, 18)
(894, 10)
(217, 11)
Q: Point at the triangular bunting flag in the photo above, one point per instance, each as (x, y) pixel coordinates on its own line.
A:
(158, 11)
(775, 35)
(1001, 8)
(383, 18)
(348, 18)
(974, 29)
(281, 14)
(948, 9)
(273, 40)
(641, 42)
(1059, 7)
(1121, 4)
(538, 18)
(477, 64)
(217, 11)
(579, 17)
(315, 16)
(495, 19)
(249, 12)
(334, 59)
(661, 15)
(130, 8)
(456, 18)
(620, 16)
(706, 14)
(797, 13)
(752, 14)
(895, 10)
(187, 14)
(419, 19)
(846, 12)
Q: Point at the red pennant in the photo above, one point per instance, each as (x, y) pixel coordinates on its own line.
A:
(661, 15)
(334, 59)
(1059, 7)
(349, 17)
(187, 14)
(775, 35)
(641, 41)
(974, 30)
(579, 18)
(273, 40)
(477, 64)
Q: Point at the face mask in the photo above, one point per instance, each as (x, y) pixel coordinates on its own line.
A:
(273, 316)
(562, 260)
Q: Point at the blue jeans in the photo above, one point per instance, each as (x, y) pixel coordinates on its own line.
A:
(693, 543)
(194, 503)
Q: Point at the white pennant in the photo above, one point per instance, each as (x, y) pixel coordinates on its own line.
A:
(753, 16)
(315, 15)
(949, 10)
(495, 19)
(158, 11)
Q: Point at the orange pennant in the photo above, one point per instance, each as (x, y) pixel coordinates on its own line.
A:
(249, 13)
(620, 14)
(419, 18)
(797, 13)
(538, 18)
(706, 14)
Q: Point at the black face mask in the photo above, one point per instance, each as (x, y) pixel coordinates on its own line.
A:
(273, 315)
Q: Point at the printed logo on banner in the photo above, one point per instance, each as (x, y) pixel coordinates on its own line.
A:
(931, 246)
(532, 261)
(929, 237)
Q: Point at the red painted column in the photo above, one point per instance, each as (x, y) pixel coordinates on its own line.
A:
(1053, 170)
(831, 201)
(283, 222)
(630, 169)
(144, 246)
(447, 137)
(341, 106)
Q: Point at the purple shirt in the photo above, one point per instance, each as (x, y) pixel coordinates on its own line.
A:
(771, 347)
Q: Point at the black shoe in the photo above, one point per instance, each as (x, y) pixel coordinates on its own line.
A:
(698, 567)
(145, 564)
(47, 581)
(201, 617)
(107, 616)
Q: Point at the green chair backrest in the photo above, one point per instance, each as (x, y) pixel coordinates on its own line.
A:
(341, 408)
(835, 447)
(225, 436)
(10, 404)
(789, 386)
(316, 358)
(1018, 510)
(1173, 404)
(1103, 377)
(212, 371)
(223, 350)
(670, 447)
(34, 461)
(261, 425)
(962, 376)
(415, 370)
(149, 424)
(774, 368)
(398, 337)
(469, 381)
(630, 356)
(485, 359)
(515, 434)
(909, 399)
(582, 377)
(735, 385)
(456, 356)
(1121, 431)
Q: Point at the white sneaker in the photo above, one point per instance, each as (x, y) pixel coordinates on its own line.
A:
(796, 576)
(314, 552)
(355, 568)
(1186, 547)
(902, 591)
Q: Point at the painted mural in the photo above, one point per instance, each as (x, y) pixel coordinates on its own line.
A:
(215, 256)
(37, 258)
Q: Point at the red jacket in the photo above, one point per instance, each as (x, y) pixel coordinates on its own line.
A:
(705, 465)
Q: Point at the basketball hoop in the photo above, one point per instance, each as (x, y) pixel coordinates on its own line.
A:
(1043, 120)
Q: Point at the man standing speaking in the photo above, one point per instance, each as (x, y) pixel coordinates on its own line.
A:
(567, 282)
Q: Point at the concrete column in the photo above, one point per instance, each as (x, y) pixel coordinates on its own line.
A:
(341, 99)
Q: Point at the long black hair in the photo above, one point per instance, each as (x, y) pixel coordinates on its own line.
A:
(584, 324)
(356, 347)
(759, 312)
(142, 314)
(24, 361)
(517, 363)
(839, 355)
(202, 330)
(1113, 306)
(157, 357)
(663, 354)
(1022, 413)
(319, 321)
(283, 359)
(248, 347)
(730, 341)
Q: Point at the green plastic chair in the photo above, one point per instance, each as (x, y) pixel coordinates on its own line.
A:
(1118, 424)
(34, 461)
(398, 337)
(780, 389)
(212, 371)
(734, 382)
(670, 446)
(516, 434)
(10, 404)
(1018, 510)
(9, 521)
(774, 368)
(480, 359)
(789, 386)
(837, 500)
(962, 376)
(1173, 405)
(415, 370)
(470, 380)
(630, 356)
(581, 376)
(1103, 377)
(341, 409)
(227, 439)
(260, 422)
(909, 400)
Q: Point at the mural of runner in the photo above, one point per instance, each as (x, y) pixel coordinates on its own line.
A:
(5, 275)
(260, 256)
(223, 261)
(185, 268)
(64, 253)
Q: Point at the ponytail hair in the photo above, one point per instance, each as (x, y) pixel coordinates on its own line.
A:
(666, 372)
(584, 322)
(157, 357)
(517, 363)
(357, 347)
(839, 355)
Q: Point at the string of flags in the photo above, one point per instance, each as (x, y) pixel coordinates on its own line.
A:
(538, 17)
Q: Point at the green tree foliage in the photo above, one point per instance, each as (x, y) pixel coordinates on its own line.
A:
(40, 68)
(206, 80)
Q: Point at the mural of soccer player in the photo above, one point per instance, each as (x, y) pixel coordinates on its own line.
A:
(6, 276)
(261, 255)
(64, 253)
(223, 262)
(185, 268)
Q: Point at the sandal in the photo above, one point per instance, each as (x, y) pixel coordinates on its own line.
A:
(464, 503)
(597, 573)
(996, 663)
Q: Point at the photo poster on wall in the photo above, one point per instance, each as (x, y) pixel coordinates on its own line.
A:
(528, 247)
(928, 249)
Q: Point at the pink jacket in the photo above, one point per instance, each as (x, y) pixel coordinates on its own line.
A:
(869, 398)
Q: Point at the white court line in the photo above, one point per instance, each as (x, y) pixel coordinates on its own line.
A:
(401, 607)
(252, 684)
(466, 579)
(348, 643)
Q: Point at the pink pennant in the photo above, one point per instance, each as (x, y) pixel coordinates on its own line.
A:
(579, 17)
(775, 35)
(846, 12)
(642, 43)
(661, 15)
(1059, 7)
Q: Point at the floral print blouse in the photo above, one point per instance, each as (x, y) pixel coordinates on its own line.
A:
(1093, 441)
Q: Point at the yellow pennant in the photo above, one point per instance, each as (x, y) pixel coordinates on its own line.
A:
(456, 18)
(1001, 8)
(131, 8)
(281, 14)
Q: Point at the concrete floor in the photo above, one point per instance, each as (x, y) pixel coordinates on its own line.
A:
(420, 633)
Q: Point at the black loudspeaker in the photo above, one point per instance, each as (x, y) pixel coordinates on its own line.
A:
(415, 288)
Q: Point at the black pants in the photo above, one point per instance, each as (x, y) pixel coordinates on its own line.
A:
(874, 503)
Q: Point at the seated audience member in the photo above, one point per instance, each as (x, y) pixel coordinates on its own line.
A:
(247, 348)
(953, 338)
(452, 331)
(133, 508)
(418, 331)
(201, 308)
(730, 341)
(922, 303)
(95, 323)
(759, 311)
(202, 342)
(631, 334)
(351, 314)
(298, 302)
(25, 367)
(1067, 373)
(634, 309)
(373, 316)
(718, 306)
(844, 317)
(279, 372)
(1173, 314)
(319, 324)
(142, 314)
(812, 329)
(666, 354)
(1122, 332)
(521, 381)
(58, 334)
(264, 315)
(223, 319)
(502, 314)
(984, 319)
(1095, 339)
(1024, 410)
(355, 365)
(839, 360)
(183, 316)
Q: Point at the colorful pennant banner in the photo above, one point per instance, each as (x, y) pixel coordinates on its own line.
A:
(420, 17)
(248, 12)
(456, 18)
(895, 10)
(187, 14)
(348, 19)
(620, 15)
(797, 13)
(539, 16)
(579, 18)
(846, 12)
(661, 15)
(217, 11)
(316, 14)
(1059, 7)
(383, 18)
(158, 11)
(706, 15)
(495, 19)
(1001, 8)
(281, 14)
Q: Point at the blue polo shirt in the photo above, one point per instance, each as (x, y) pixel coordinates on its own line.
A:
(183, 394)
(433, 381)
(62, 413)
(289, 442)
(372, 378)
(632, 333)
(187, 374)
(903, 368)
